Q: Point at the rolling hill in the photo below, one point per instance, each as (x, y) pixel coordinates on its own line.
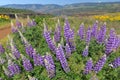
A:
(70, 9)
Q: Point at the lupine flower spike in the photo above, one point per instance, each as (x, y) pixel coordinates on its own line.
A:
(49, 64)
(13, 68)
(28, 47)
(110, 43)
(2, 50)
(29, 22)
(88, 66)
(88, 36)
(6, 71)
(117, 43)
(14, 50)
(94, 29)
(81, 31)
(18, 23)
(61, 56)
(57, 34)
(101, 34)
(99, 65)
(13, 28)
(38, 60)
(26, 63)
(85, 52)
(68, 50)
(115, 63)
(48, 39)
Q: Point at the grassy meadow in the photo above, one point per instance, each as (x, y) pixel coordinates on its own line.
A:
(76, 62)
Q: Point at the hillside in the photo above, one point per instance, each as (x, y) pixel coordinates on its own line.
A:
(69, 9)
(13, 11)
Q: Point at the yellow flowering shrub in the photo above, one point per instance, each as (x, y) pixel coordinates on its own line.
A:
(4, 17)
(107, 17)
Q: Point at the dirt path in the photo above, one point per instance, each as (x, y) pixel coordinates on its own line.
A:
(4, 32)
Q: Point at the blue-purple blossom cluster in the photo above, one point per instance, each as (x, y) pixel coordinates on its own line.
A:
(88, 66)
(110, 42)
(88, 36)
(115, 63)
(99, 65)
(101, 34)
(69, 35)
(38, 59)
(2, 50)
(49, 64)
(81, 31)
(61, 56)
(94, 29)
(13, 68)
(27, 64)
(85, 51)
(48, 39)
(14, 50)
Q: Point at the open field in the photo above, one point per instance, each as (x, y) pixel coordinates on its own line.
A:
(60, 63)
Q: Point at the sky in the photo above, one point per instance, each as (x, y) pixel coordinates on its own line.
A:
(61, 2)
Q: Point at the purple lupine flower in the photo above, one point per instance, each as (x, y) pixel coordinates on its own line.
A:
(101, 34)
(13, 28)
(68, 50)
(60, 55)
(48, 39)
(88, 66)
(49, 64)
(81, 31)
(66, 30)
(33, 22)
(115, 63)
(29, 22)
(13, 68)
(117, 43)
(28, 47)
(71, 41)
(18, 23)
(26, 63)
(99, 65)
(7, 72)
(110, 43)
(94, 29)
(38, 60)
(88, 36)
(85, 52)
(2, 50)
(2, 60)
(57, 34)
(69, 35)
(14, 50)
(29, 50)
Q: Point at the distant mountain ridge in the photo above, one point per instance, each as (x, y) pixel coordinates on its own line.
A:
(69, 9)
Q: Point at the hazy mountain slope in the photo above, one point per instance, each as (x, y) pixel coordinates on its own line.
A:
(69, 9)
